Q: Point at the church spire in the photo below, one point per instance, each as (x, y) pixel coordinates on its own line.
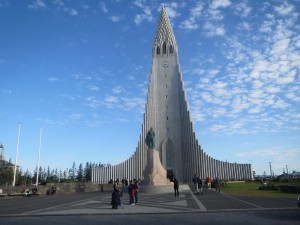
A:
(164, 33)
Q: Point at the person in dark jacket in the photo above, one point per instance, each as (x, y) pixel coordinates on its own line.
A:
(176, 187)
(115, 200)
(131, 193)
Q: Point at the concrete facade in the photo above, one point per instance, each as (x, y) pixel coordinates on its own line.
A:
(167, 112)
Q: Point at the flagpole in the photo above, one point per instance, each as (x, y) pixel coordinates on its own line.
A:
(38, 164)
(17, 153)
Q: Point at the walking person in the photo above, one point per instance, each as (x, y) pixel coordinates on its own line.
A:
(195, 181)
(200, 185)
(217, 183)
(208, 180)
(176, 187)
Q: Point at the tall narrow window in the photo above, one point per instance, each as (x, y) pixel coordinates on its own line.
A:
(171, 49)
(157, 50)
(164, 48)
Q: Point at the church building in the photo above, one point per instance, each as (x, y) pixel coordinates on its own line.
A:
(167, 112)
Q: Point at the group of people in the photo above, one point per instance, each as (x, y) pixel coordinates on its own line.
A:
(198, 184)
(133, 189)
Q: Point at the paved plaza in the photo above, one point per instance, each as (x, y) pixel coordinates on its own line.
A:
(154, 203)
(155, 208)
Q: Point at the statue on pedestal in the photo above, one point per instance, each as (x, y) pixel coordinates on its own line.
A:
(150, 139)
(154, 172)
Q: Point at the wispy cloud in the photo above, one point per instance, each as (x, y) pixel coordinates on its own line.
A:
(146, 15)
(53, 79)
(115, 18)
(215, 4)
(191, 22)
(38, 4)
(6, 91)
(103, 7)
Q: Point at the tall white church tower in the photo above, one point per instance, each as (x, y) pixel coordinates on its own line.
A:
(166, 99)
(168, 114)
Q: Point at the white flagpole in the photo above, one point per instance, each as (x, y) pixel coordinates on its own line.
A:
(38, 164)
(17, 153)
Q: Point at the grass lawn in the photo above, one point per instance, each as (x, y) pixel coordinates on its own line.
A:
(252, 189)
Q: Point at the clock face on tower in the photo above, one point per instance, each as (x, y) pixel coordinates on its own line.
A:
(165, 64)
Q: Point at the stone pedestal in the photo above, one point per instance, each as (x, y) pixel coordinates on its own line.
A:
(154, 173)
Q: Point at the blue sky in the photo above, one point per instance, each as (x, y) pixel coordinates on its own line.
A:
(80, 70)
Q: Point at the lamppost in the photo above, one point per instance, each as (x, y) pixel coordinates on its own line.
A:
(271, 175)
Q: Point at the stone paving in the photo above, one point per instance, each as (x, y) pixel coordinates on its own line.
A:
(155, 203)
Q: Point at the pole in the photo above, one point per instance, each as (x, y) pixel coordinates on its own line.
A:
(17, 153)
(38, 164)
(270, 163)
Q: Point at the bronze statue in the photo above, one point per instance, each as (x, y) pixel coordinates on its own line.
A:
(150, 138)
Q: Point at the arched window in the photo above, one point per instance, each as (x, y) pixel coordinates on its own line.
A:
(164, 48)
(157, 50)
(171, 49)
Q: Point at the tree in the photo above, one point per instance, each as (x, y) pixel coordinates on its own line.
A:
(80, 173)
(72, 172)
(6, 173)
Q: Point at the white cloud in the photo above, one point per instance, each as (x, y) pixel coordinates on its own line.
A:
(280, 46)
(272, 89)
(214, 30)
(93, 87)
(38, 4)
(244, 26)
(139, 18)
(242, 9)
(254, 110)
(53, 79)
(286, 79)
(117, 90)
(111, 99)
(115, 18)
(219, 112)
(261, 153)
(191, 22)
(217, 127)
(280, 104)
(75, 116)
(72, 12)
(284, 9)
(103, 7)
(146, 15)
(220, 4)
(267, 25)
(92, 102)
